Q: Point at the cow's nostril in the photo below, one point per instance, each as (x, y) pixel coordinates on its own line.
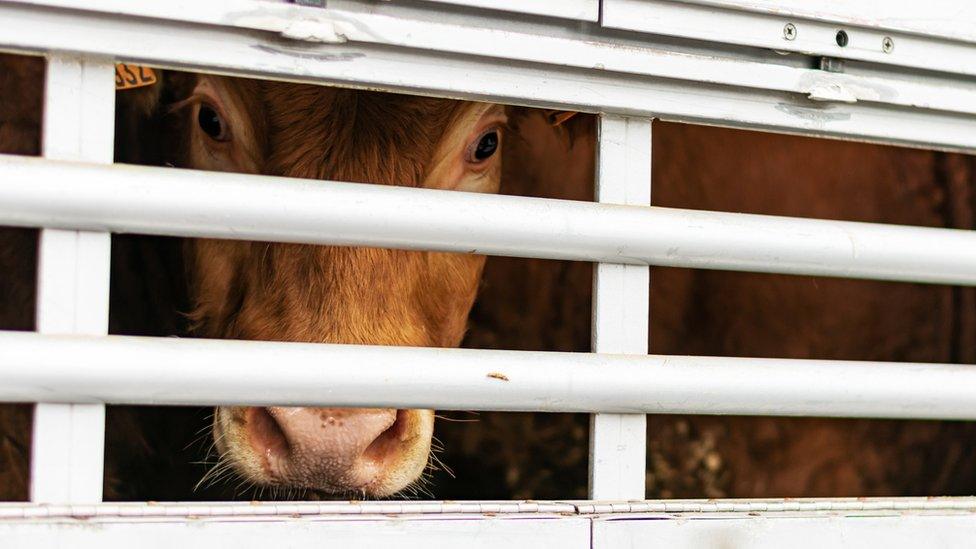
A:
(265, 434)
(388, 442)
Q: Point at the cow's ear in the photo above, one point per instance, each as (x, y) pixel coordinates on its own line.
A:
(143, 125)
(138, 88)
(558, 118)
(547, 157)
(565, 125)
(138, 116)
(569, 124)
(141, 101)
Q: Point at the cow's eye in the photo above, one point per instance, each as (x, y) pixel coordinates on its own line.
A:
(211, 123)
(486, 146)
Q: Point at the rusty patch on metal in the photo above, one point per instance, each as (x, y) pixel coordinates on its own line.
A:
(496, 375)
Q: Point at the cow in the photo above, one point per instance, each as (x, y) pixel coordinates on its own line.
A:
(291, 292)
(715, 313)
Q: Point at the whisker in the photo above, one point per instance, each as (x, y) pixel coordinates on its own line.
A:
(443, 466)
(456, 420)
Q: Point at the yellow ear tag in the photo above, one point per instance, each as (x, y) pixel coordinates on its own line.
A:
(129, 77)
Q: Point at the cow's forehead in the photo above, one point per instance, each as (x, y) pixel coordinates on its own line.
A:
(354, 135)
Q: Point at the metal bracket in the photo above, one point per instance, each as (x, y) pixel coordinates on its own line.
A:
(832, 91)
(831, 64)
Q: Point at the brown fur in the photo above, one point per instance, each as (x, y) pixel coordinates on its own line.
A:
(292, 292)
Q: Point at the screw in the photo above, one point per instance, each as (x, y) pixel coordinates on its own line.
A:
(789, 31)
(887, 44)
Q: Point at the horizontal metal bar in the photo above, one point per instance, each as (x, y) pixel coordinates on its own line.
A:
(484, 57)
(139, 370)
(584, 10)
(947, 19)
(50, 194)
(257, 510)
(748, 23)
(426, 531)
(780, 506)
(892, 531)
(580, 51)
(898, 523)
(474, 509)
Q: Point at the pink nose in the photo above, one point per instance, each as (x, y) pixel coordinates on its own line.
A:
(344, 448)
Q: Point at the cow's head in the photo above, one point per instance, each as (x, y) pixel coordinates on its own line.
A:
(289, 292)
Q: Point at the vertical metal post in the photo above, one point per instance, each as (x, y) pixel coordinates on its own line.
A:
(620, 309)
(73, 280)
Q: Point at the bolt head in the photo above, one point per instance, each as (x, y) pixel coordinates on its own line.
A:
(887, 44)
(789, 31)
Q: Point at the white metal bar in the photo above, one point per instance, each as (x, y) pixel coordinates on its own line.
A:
(372, 531)
(736, 22)
(504, 40)
(581, 51)
(949, 19)
(346, 510)
(134, 370)
(759, 531)
(73, 272)
(271, 509)
(620, 309)
(725, 507)
(218, 205)
(584, 10)
(555, 66)
(897, 523)
(928, 42)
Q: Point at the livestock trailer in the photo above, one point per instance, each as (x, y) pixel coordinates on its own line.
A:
(895, 72)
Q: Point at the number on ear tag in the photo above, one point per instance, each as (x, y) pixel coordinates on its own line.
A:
(129, 77)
